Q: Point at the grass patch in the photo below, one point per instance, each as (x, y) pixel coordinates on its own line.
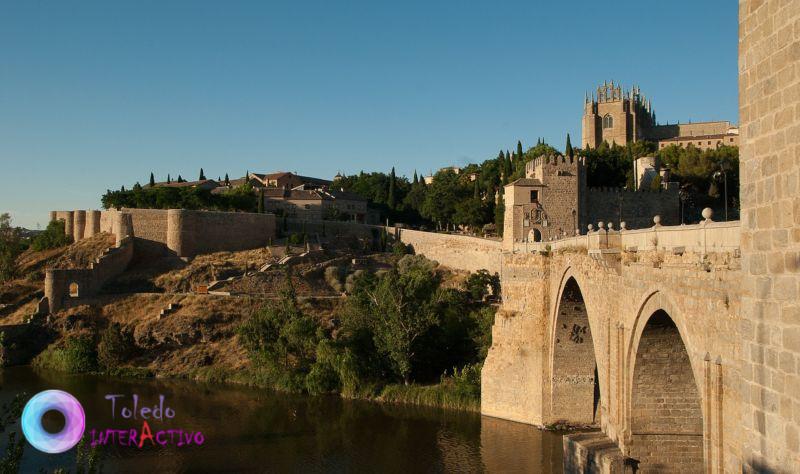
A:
(443, 395)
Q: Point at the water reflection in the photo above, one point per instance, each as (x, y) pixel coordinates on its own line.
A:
(248, 430)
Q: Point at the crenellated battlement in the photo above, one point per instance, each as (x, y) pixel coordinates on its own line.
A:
(551, 164)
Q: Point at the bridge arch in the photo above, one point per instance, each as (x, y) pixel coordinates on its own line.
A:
(665, 415)
(574, 384)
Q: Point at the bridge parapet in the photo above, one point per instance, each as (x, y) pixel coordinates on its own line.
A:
(705, 237)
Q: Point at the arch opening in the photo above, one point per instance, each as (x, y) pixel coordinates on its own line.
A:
(608, 121)
(666, 413)
(575, 386)
(74, 290)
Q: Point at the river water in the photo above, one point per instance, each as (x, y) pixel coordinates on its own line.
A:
(250, 430)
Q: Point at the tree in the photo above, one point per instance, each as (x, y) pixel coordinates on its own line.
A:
(180, 180)
(10, 247)
(52, 237)
(400, 307)
(499, 215)
(261, 201)
(568, 149)
(202, 175)
(169, 180)
(470, 212)
(441, 198)
(227, 181)
(416, 179)
(152, 179)
(391, 199)
(519, 149)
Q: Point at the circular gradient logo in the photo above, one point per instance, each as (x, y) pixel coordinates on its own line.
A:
(74, 421)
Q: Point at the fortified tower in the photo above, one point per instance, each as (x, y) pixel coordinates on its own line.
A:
(616, 116)
(546, 203)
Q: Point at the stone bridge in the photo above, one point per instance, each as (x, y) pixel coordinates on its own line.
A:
(639, 343)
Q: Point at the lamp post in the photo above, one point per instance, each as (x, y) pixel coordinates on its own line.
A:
(724, 176)
(682, 195)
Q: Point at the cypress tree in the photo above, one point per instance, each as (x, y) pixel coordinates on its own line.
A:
(508, 166)
(416, 179)
(152, 179)
(202, 176)
(227, 181)
(169, 180)
(476, 192)
(568, 150)
(390, 201)
(519, 149)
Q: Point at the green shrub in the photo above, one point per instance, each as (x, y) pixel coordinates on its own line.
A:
(482, 283)
(115, 347)
(52, 237)
(297, 239)
(75, 355)
(399, 249)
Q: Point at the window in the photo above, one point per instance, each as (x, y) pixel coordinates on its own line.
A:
(534, 196)
(74, 291)
(608, 121)
(731, 139)
(709, 142)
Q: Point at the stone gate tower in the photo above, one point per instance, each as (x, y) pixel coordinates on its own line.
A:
(616, 116)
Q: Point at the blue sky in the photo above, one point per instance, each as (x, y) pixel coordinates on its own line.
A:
(96, 95)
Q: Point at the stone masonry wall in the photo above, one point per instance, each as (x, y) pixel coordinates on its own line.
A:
(184, 233)
(88, 281)
(769, 111)
(459, 252)
(523, 372)
(667, 416)
(638, 207)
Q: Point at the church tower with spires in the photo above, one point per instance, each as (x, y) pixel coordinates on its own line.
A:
(615, 115)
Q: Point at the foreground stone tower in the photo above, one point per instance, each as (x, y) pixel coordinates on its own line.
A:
(769, 109)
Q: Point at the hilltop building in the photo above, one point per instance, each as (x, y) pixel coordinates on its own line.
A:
(619, 116)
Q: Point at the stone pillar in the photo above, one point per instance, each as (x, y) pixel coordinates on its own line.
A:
(92, 223)
(79, 225)
(69, 223)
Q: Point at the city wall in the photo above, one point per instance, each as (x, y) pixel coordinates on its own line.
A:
(64, 288)
(458, 252)
(635, 208)
(180, 232)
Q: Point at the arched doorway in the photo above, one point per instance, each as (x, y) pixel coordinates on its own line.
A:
(575, 387)
(666, 413)
(534, 235)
